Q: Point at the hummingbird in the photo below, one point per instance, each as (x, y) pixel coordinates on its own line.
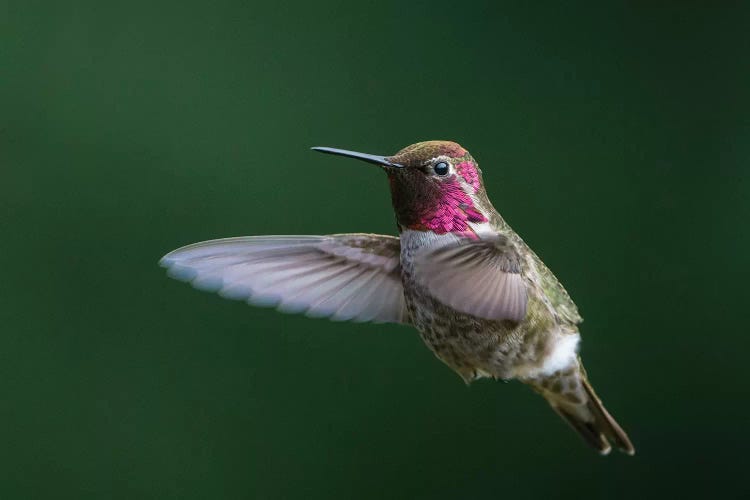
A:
(480, 298)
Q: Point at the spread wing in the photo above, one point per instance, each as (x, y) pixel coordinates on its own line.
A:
(342, 276)
(481, 278)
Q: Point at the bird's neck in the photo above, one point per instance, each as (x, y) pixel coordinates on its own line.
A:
(447, 207)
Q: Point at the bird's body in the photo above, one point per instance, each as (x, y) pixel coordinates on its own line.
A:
(480, 298)
(477, 347)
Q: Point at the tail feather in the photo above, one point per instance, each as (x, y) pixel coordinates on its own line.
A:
(570, 394)
(607, 423)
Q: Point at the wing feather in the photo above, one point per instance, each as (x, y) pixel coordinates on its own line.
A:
(343, 277)
(480, 278)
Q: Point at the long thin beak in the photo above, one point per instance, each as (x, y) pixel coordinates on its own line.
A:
(377, 160)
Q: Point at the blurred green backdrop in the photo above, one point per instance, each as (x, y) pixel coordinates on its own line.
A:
(614, 139)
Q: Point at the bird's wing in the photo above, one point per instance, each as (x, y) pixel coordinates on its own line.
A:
(481, 278)
(342, 276)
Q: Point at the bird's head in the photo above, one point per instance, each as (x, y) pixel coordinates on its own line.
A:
(435, 186)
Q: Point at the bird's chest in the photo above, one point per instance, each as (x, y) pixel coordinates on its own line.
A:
(472, 346)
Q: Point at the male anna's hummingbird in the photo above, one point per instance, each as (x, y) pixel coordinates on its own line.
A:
(482, 300)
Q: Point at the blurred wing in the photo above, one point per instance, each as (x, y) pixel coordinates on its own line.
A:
(480, 278)
(342, 277)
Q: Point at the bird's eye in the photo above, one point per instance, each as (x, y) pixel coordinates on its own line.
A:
(441, 168)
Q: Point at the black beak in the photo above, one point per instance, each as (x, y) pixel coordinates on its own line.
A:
(377, 160)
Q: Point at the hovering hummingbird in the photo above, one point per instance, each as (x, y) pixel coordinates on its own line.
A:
(481, 299)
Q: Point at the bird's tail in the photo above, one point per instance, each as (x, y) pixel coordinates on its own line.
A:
(569, 393)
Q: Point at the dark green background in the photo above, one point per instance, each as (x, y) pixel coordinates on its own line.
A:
(614, 139)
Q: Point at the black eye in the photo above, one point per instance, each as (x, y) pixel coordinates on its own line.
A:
(441, 168)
